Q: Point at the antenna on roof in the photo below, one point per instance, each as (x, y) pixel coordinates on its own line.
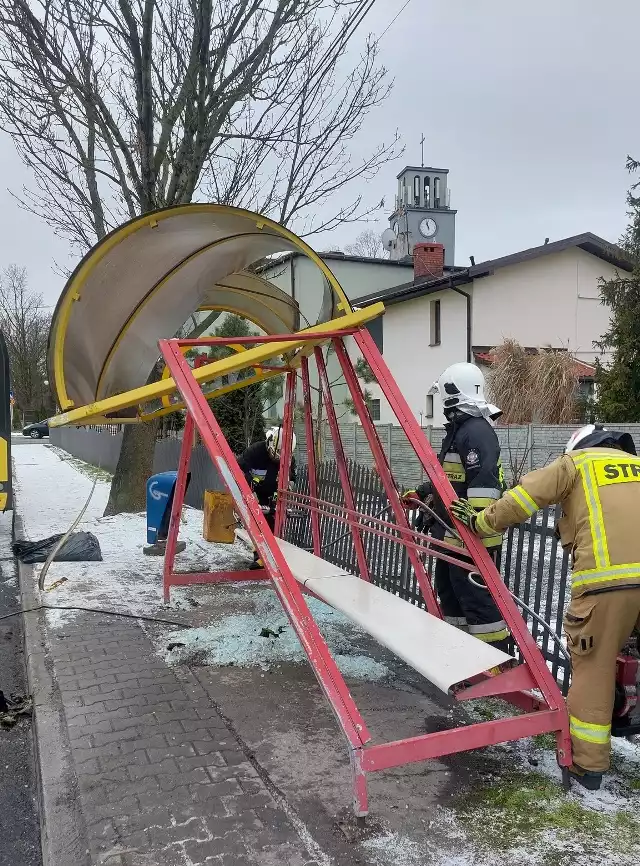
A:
(472, 259)
(546, 241)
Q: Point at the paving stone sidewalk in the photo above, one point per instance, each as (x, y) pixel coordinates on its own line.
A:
(161, 777)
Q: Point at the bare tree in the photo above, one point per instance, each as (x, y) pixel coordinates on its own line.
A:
(25, 328)
(122, 106)
(368, 244)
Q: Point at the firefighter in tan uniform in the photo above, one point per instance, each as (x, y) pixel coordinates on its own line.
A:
(597, 482)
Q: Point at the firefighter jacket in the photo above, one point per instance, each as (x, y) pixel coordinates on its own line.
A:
(261, 471)
(470, 457)
(599, 490)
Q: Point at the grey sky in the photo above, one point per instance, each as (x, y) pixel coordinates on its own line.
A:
(532, 106)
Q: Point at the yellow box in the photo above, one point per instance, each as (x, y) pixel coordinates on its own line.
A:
(219, 521)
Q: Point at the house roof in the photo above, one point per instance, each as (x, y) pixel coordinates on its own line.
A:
(336, 255)
(587, 241)
(581, 369)
(422, 168)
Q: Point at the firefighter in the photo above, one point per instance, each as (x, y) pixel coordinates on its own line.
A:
(470, 457)
(260, 464)
(597, 482)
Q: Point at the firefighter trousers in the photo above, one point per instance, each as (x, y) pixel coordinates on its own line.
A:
(467, 606)
(270, 517)
(597, 627)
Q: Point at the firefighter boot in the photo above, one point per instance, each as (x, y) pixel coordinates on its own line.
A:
(590, 781)
(257, 562)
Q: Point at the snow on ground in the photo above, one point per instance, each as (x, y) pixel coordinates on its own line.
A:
(50, 492)
(51, 489)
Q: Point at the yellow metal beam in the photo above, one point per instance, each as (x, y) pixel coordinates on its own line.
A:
(143, 417)
(309, 337)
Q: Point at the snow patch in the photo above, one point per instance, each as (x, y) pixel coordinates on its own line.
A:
(50, 492)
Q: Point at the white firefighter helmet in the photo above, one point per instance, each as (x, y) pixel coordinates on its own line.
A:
(461, 387)
(595, 435)
(579, 436)
(274, 442)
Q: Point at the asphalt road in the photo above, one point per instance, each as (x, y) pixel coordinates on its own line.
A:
(25, 440)
(19, 825)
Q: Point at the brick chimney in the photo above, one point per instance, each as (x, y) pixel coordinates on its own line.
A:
(428, 261)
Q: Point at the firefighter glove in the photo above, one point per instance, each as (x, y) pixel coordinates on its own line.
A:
(463, 511)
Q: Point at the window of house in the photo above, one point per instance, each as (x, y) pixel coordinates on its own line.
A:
(435, 323)
(416, 190)
(429, 413)
(375, 329)
(374, 409)
(427, 191)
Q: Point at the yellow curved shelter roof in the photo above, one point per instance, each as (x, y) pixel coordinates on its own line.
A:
(142, 282)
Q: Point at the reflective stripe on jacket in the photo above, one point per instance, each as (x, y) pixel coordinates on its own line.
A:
(599, 489)
(470, 457)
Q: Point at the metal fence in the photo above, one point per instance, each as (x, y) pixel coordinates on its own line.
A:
(533, 566)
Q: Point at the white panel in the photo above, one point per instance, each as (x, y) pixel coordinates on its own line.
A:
(439, 651)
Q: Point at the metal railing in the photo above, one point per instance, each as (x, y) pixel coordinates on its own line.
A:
(533, 566)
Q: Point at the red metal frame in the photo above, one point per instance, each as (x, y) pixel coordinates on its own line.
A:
(341, 461)
(384, 471)
(529, 650)
(286, 453)
(285, 585)
(542, 714)
(311, 454)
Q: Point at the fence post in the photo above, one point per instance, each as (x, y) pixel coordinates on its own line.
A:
(355, 441)
(530, 445)
(389, 441)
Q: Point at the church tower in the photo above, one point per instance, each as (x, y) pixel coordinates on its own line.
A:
(423, 212)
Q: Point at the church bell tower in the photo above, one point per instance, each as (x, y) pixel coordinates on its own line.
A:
(423, 212)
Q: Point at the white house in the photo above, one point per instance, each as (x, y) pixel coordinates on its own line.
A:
(438, 314)
(547, 296)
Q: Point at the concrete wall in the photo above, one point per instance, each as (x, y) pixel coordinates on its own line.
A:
(100, 448)
(522, 448)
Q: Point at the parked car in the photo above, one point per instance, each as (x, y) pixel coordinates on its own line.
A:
(37, 430)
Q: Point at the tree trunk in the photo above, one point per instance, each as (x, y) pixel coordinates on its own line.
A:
(135, 465)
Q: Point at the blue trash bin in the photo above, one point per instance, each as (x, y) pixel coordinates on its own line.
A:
(160, 489)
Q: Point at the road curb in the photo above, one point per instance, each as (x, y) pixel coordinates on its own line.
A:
(62, 825)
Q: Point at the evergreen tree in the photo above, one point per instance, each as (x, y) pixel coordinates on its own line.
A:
(241, 413)
(618, 383)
